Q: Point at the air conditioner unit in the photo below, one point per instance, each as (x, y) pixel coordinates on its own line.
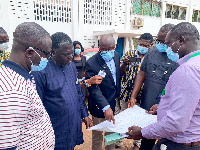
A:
(138, 22)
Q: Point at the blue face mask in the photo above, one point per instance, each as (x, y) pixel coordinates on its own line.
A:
(77, 51)
(142, 50)
(42, 65)
(171, 55)
(107, 55)
(161, 47)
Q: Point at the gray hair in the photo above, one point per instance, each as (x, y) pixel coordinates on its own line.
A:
(30, 34)
(59, 39)
(185, 29)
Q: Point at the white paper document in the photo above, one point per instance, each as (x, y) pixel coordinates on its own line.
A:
(129, 117)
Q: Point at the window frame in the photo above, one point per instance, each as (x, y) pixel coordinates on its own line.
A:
(142, 8)
(172, 11)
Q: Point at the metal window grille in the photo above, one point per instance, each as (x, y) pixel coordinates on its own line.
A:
(53, 10)
(98, 12)
(146, 7)
(175, 12)
(196, 16)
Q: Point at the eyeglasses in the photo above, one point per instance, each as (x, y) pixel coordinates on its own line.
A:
(48, 54)
(160, 42)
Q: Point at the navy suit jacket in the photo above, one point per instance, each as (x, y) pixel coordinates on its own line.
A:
(107, 92)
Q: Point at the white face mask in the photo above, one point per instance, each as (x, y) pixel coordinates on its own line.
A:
(3, 46)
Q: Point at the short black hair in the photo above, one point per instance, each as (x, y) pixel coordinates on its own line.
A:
(166, 27)
(146, 36)
(2, 31)
(185, 29)
(79, 43)
(30, 34)
(58, 39)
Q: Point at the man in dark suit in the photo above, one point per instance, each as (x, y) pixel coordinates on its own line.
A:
(103, 96)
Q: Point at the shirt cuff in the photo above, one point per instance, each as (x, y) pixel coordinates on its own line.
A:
(145, 132)
(84, 113)
(105, 108)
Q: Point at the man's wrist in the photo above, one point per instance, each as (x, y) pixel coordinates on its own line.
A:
(87, 84)
(105, 108)
(131, 99)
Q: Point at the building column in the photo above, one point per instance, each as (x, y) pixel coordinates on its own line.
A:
(131, 43)
(163, 6)
(115, 36)
(81, 21)
(75, 21)
(189, 12)
(126, 49)
(127, 15)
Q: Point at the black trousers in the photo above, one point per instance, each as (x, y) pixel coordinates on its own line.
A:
(170, 145)
(147, 144)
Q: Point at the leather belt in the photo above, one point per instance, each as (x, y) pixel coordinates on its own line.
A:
(192, 144)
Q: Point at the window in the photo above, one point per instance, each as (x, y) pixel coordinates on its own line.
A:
(175, 12)
(196, 16)
(98, 12)
(53, 10)
(145, 7)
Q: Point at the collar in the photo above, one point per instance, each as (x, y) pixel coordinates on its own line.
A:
(186, 57)
(53, 63)
(17, 69)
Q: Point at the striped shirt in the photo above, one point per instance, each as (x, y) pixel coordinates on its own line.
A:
(128, 78)
(24, 122)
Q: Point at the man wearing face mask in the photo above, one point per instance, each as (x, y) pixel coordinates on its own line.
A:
(178, 112)
(129, 70)
(61, 94)
(4, 39)
(103, 96)
(154, 74)
(25, 123)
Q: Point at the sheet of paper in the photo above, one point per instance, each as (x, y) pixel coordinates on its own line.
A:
(129, 117)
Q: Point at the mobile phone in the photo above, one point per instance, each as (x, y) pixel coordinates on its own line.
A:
(134, 59)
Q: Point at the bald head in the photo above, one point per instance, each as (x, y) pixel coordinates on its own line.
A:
(106, 42)
(166, 28)
(30, 34)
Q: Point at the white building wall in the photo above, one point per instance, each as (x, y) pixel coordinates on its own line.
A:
(84, 17)
(151, 24)
(14, 12)
(100, 15)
